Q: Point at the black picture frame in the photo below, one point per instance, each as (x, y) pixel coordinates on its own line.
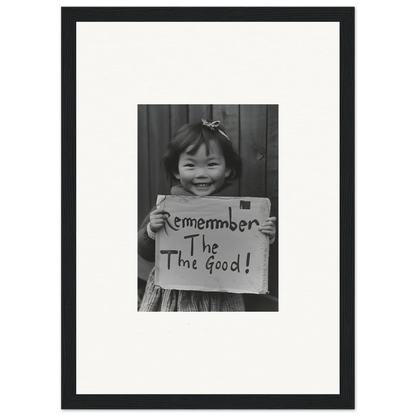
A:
(69, 398)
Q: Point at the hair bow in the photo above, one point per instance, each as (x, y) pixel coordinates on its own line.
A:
(214, 125)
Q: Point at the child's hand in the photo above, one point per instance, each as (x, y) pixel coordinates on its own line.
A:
(269, 227)
(158, 219)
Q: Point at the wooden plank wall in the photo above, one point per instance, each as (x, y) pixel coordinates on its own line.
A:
(253, 130)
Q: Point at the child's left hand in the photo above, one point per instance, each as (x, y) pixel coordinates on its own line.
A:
(269, 227)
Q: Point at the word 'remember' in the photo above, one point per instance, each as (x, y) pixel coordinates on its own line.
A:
(212, 223)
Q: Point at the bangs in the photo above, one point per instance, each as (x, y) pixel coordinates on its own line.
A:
(190, 138)
(197, 141)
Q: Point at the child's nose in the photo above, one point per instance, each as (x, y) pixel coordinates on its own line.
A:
(201, 173)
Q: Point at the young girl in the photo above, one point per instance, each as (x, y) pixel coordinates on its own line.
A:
(202, 158)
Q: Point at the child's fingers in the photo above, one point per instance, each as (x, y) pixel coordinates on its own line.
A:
(267, 231)
(269, 223)
(156, 225)
(159, 215)
(159, 221)
(269, 228)
(158, 211)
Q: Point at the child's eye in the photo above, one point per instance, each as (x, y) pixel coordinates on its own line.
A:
(212, 164)
(189, 165)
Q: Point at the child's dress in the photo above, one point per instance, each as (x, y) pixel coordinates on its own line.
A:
(170, 300)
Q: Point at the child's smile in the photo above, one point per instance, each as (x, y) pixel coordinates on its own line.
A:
(202, 174)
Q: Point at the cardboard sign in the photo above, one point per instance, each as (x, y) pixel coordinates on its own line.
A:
(213, 244)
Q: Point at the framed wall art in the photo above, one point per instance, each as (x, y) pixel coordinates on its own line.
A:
(252, 108)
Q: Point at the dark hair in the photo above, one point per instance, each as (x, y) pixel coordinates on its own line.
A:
(195, 135)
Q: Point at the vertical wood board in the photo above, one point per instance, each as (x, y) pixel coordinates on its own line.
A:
(253, 126)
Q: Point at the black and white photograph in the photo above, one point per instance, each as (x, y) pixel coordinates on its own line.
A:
(221, 254)
(207, 180)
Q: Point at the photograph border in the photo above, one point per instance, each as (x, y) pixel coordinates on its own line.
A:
(69, 398)
(263, 138)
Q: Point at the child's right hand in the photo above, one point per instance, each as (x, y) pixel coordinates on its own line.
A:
(158, 219)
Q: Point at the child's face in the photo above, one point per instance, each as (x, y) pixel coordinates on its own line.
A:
(200, 174)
